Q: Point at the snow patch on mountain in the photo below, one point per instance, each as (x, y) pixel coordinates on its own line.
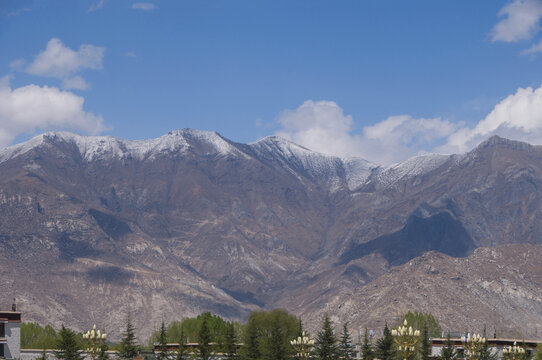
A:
(415, 166)
(93, 148)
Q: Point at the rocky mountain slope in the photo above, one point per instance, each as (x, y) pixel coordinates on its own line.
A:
(94, 227)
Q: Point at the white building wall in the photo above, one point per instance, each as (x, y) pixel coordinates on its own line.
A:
(12, 350)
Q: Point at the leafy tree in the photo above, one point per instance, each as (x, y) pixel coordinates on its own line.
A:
(346, 349)
(34, 336)
(230, 347)
(251, 339)
(204, 339)
(272, 331)
(385, 349)
(190, 328)
(325, 344)
(538, 352)
(128, 347)
(419, 320)
(67, 345)
(448, 352)
(162, 343)
(367, 352)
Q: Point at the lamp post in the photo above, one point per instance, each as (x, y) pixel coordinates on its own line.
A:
(97, 339)
(473, 345)
(406, 338)
(513, 352)
(303, 346)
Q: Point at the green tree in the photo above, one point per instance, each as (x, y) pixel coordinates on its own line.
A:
(385, 349)
(276, 349)
(204, 339)
(103, 355)
(325, 344)
(448, 352)
(538, 352)
(346, 349)
(43, 355)
(425, 343)
(182, 351)
(230, 346)
(67, 345)
(251, 341)
(418, 320)
(485, 352)
(34, 336)
(367, 352)
(272, 331)
(162, 343)
(128, 347)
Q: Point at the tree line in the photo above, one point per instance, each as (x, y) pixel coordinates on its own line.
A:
(267, 335)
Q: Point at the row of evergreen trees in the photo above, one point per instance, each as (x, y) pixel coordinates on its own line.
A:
(266, 336)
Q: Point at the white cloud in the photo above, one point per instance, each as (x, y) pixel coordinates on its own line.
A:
(98, 5)
(518, 117)
(60, 61)
(521, 21)
(323, 127)
(30, 108)
(76, 82)
(17, 64)
(536, 48)
(143, 6)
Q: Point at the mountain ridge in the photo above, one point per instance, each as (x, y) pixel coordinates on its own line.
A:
(192, 221)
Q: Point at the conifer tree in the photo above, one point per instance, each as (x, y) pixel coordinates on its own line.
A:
(230, 347)
(162, 343)
(275, 347)
(346, 349)
(367, 352)
(204, 339)
(251, 342)
(103, 355)
(67, 345)
(182, 353)
(448, 352)
(385, 349)
(325, 346)
(128, 346)
(485, 352)
(538, 352)
(425, 344)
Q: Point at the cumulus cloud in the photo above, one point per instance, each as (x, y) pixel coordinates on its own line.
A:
(518, 117)
(521, 21)
(322, 126)
(143, 6)
(58, 60)
(30, 108)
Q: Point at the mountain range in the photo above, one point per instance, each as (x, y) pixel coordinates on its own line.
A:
(94, 228)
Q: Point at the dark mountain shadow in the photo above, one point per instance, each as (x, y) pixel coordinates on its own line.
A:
(439, 232)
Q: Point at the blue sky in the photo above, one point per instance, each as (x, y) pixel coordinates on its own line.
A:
(380, 79)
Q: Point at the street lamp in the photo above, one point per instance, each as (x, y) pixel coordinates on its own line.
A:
(97, 339)
(406, 338)
(473, 345)
(303, 346)
(513, 352)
